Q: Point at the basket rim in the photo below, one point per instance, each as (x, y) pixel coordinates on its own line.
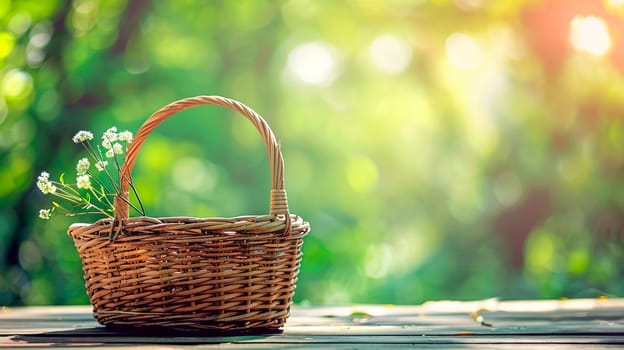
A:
(178, 218)
(267, 224)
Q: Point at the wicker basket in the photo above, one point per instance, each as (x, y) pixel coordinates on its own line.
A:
(219, 274)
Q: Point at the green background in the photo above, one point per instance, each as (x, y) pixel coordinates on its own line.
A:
(440, 149)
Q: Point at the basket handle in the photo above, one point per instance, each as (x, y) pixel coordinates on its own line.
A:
(278, 204)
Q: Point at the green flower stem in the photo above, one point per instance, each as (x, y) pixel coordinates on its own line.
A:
(106, 193)
(99, 158)
(92, 190)
(74, 196)
(129, 180)
(132, 205)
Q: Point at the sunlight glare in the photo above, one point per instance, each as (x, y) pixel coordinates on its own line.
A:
(590, 34)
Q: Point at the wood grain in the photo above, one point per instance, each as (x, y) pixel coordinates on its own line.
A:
(580, 323)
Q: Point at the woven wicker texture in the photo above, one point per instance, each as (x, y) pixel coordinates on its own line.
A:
(219, 274)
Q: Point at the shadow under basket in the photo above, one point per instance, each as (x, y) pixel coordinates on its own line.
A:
(217, 274)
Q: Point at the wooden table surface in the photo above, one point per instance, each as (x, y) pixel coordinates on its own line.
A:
(486, 324)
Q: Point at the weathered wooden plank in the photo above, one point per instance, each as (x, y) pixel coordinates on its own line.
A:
(586, 323)
(448, 324)
(371, 346)
(305, 340)
(563, 327)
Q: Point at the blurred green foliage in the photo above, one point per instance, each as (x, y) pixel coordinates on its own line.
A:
(440, 148)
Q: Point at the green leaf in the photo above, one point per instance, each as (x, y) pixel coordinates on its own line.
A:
(360, 314)
(62, 178)
(56, 204)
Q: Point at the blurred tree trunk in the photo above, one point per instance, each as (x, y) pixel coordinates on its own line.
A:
(516, 223)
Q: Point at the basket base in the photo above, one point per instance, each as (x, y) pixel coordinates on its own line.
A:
(150, 331)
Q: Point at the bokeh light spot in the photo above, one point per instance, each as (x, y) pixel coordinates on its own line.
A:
(463, 51)
(314, 63)
(590, 34)
(84, 16)
(390, 54)
(540, 252)
(468, 4)
(17, 84)
(578, 261)
(7, 42)
(378, 261)
(362, 174)
(40, 39)
(191, 175)
(20, 23)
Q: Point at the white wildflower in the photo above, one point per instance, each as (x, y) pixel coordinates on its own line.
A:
(110, 153)
(45, 214)
(83, 182)
(44, 184)
(44, 177)
(82, 136)
(118, 148)
(106, 144)
(125, 136)
(110, 134)
(83, 166)
(101, 165)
